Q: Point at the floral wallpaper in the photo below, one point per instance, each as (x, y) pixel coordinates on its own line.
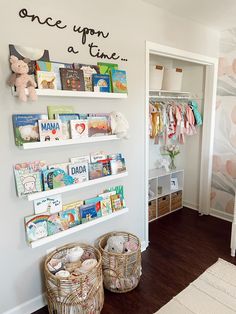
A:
(224, 156)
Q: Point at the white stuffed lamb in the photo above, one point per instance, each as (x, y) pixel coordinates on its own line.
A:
(119, 124)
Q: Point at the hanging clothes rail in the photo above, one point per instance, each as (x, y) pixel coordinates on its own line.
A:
(164, 94)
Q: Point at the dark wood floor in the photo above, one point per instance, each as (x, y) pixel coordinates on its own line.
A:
(182, 246)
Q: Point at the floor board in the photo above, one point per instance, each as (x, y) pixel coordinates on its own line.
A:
(182, 246)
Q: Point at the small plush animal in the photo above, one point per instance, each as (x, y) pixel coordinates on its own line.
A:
(130, 246)
(119, 124)
(21, 79)
(115, 244)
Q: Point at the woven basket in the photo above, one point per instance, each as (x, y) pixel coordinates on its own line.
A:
(83, 294)
(121, 272)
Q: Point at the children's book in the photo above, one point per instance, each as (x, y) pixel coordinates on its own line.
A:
(54, 110)
(95, 170)
(79, 172)
(119, 82)
(28, 183)
(30, 166)
(97, 156)
(69, 218)
(117, 166)
(119, 189)
(65, 119)
(78, 159)
(54, 224)
(74, 205)
(52, 204)
(106, 169)
(26, 128)
(88, 71)
(105, 68)
(107, 194)
(101, 83)
(61, 178)
(53, 67)
(36, 227)
(46, 80)
(116, 203)
(47, 178)
(106, 208)
(79, 128)
(96, 201)
(88, 212)
(72, 79)
(50, 130)
(106, 115)
(62, 166)
(97, 126)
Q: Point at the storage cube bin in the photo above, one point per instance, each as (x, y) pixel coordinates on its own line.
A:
(121, 271)
(152, 210)
(156, 77)
(163, 206)
(172, 79)
(74, 295)
(176, 200)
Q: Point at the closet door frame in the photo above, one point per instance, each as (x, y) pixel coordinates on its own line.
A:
(211, 68)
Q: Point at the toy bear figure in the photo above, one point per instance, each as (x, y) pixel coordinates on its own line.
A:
(119, 124)
(21, 79)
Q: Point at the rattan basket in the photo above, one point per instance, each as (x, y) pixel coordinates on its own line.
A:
(83, 294)
(121, 272)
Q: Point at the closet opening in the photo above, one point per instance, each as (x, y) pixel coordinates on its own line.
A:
(170, 116)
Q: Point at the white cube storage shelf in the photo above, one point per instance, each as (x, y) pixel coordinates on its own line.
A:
(166, 198)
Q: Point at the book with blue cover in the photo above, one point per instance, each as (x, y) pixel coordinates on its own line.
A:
(119, 81)
(88, 212)
(26, 128)
(97, 201)
(101, 83)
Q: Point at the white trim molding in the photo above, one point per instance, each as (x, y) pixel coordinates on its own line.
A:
(29, 307)
(222, 215)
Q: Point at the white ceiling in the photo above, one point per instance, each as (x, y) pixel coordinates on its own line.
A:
(217, 14)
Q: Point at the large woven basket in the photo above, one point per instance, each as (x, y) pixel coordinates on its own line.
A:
(121, 272)
(84, 294)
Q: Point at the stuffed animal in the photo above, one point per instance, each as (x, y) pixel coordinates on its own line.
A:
(130, 246)
(119, 124)
(153, 121)
(21, 79)
(115, 244)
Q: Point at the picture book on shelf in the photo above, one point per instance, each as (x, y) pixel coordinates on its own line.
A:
(119, 189)
(36, 227)
(106, 169)
(74, 205)
(116, 203)
(52, 204)
(97, 126)
(26, 128)
(50, 130)
(65, 119)
(55, 224)
(69, 218)
(95, 200)
(106, 208)
(88, 212)
(30, 166)
(28, 183)
(88, 71)
(46, 80)
(101, 83)
(79, 128)
(97, 156)
(72, 79)
(85, 158)
(55, 178)
(105, 68)
(95, 170)
(53, 67)
(54, 110)
(117, 166)
(62, 166)
(106, 115)
(119, 82)
(79, 172)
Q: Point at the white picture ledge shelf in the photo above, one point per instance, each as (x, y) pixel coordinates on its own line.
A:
(77, 186)
(76, 94)
(78, 228)
(35, 145)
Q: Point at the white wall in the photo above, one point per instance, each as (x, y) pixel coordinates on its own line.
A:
(130, 23)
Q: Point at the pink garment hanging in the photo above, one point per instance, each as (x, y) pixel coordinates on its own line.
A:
(190, 122)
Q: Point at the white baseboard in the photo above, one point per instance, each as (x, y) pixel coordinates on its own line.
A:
(190, 205)
(143, 246)
(222, 215)
(29, 307)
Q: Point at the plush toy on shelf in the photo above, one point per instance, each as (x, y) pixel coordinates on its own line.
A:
(119, 124)
(21, 79)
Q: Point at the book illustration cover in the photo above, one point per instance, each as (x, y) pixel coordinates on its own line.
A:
(88, 212)
(78, 159)
(72, 79)
(119, 189)
(105, 68)
(116, 156)
(54, 110)
(74, 205)
(97, 156)
(79, 172)
(47, 178)
(69, 218)
(107, 194)
(106, 208)
(119, 82)
(63, 166)
(61, 178)
(26, 128)
(30, 166)
(28, 183)
(97, 201)
(116, 203)
(65, 119)
(36, 227)
(106, 115)
(34, 54)
(79, 128)
(88, 71)
(117, 166)
(101, 83)
(52, 204)
(54, 224)
(46, 80)
(106, 168)
(53, 67)
(50, 130)
(95, 170)
(97, 126)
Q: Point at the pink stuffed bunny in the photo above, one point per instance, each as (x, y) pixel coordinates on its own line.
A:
(21, 79)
